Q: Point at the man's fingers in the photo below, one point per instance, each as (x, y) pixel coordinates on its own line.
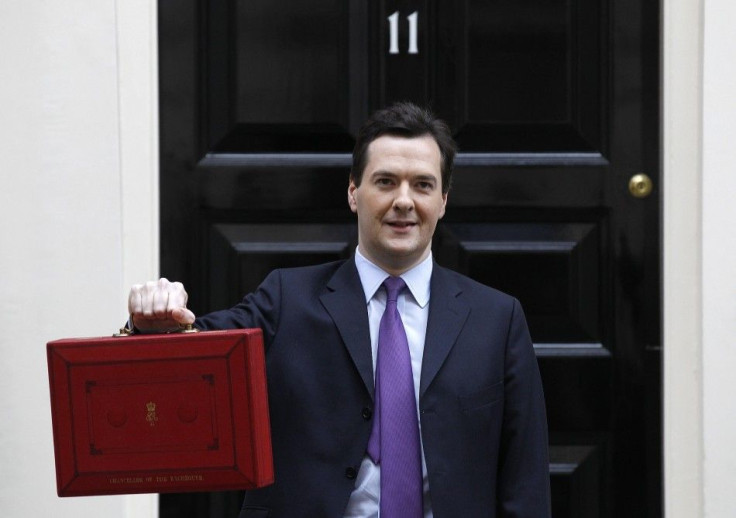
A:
(135, 304)
(183, 316)
(177, 296)
(159, 305)
(159, 302)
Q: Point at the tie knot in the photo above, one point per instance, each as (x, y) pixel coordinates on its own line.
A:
(393, 285)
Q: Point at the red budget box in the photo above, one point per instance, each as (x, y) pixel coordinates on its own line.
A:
(160, 413)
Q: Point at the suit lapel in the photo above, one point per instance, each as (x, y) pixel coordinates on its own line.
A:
(344, 300)
(447, 315)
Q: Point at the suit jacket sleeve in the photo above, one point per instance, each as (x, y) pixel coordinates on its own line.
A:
(261, 309)
(523, 483)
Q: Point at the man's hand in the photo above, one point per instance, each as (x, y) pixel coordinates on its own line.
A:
(159, 306)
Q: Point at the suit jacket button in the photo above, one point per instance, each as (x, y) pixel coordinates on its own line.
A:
(367, 413)
(351, 473)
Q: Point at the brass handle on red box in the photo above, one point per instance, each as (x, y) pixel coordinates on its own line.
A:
(187, 328)
(183, 328)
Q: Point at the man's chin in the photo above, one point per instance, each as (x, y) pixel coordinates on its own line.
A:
(402, 256)
(400, 250)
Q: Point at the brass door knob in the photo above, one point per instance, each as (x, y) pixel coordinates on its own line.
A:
(640, 185)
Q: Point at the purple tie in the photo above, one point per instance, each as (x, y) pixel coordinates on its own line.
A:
(394, 441)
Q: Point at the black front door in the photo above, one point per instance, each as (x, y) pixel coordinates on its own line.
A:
(554, 104)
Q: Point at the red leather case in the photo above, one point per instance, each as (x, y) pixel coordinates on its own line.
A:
(160, 413)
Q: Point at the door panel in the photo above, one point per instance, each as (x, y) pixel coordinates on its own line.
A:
(551, 267)
(554, 104)
(529, 74)
(283, 77)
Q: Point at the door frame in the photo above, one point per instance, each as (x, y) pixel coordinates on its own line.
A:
(698, 251)
(683, 224)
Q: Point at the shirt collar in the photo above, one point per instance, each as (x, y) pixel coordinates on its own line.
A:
(417, 278)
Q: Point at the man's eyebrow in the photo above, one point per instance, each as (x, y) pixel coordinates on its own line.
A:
(419, 177)
(383, 172)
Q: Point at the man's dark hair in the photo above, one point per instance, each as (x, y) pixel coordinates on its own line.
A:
(404, 119)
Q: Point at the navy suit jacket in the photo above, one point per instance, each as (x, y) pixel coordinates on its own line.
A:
(482, 412)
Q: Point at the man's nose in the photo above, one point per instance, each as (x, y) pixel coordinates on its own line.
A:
(404, 200)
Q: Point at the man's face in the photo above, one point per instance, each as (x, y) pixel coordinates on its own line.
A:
(399, 201)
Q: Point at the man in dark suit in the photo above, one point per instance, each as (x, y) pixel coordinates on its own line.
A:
(475, 432)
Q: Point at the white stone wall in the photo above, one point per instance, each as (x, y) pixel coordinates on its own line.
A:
(699, 82)
(719, 258)
(78, 126)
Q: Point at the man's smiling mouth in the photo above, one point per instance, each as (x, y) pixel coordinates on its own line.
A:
(401, 224)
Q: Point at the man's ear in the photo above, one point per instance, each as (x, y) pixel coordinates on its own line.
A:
(352, 202)
(444, 204)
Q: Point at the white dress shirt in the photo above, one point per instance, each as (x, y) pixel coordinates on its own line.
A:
(413, 305)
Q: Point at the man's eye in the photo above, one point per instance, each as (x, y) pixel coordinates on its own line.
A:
(383, 181)
(425, 186)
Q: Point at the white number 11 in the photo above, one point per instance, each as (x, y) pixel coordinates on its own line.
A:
(393, 21)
